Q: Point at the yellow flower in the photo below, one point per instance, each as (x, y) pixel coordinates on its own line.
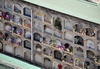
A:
(39, 13)
(52, 45)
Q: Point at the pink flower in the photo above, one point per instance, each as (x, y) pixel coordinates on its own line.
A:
(89, 47)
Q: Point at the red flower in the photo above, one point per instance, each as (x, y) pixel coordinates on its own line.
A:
(3, 36)
(59, 66)
(51, 52)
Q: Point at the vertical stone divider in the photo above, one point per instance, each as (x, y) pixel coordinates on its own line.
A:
(22, 29)
(74, 47)
(32, 35)
(23, 45)
(3, 41)
(42, 27)
(13, 48)
(53, 28)
(42, 22)
(85, 56)
(96, 41)
(63, 32)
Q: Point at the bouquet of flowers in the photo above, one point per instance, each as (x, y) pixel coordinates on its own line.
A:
(11, 40)
(19, 32)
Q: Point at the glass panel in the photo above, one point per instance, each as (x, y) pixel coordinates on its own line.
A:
(78, 40)
(78, 28)
(57, 55)
(90, 55)
(1, 36)
(37, 15)
(9, 38)
(18, 19)
(98, 35)
(68, 58)
(68, 26)
(47, 62)
(89, 65)
(8, 27)
(27, 23)
(37, 37)
(47, 18)
(47, 40)
(98, 46)
(79, 63)
(68, 36)
(38, 26)
(17, 30)
(38, 47)
(18, 52)
(1, 25)
(8, 5)
(18, 41)
(80, 52)
(89, 32)
(56, 65)
(27, 55)
(90, 44)
(17, 8)
(27, 34)
(47, 51)
(47, 29)
(68, 47)
(27, 12)
(1, 15)
(27, 44)
(57, 33)
(67, 67)
(1, 4)
(1, 46)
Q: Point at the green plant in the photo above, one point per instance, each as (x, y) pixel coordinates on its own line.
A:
(71, 49)
(58, 24)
